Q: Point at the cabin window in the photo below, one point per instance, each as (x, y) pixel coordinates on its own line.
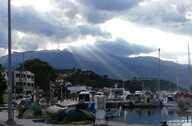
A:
(84, 97)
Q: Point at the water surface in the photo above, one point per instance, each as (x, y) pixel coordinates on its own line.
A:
(153, 116)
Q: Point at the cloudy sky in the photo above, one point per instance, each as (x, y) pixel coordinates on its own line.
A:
(121, 27)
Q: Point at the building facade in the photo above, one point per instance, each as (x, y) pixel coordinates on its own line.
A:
(24, 79)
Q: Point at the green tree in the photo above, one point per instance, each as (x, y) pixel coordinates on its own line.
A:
(3, 84)
(44, 73)
(18, 90)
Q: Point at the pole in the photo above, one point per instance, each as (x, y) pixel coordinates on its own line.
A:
(23, 72)
(65, 91)
(10, 114)
(158, 78)
(61, 92)
(189, 68)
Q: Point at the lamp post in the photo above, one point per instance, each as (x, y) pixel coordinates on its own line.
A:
(23, 68)
(66, 84)
(50, 93)
(10, 113)
(61, 91)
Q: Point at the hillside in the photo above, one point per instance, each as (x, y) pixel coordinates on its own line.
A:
(94, 80)
(120, 68)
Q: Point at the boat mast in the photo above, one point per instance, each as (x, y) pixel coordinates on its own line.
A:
(177, 75)
(189, 69)
(158, 77)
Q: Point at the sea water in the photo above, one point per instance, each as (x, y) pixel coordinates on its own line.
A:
(174, 116)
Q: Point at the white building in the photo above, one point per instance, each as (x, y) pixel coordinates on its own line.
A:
(24, 79)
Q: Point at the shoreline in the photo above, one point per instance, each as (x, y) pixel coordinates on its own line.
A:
(30, 122)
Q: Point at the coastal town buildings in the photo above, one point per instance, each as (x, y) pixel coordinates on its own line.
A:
(24, 79)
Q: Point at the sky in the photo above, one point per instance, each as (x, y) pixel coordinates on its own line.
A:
(121, 27)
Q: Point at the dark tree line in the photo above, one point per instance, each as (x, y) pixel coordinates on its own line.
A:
(3, 84)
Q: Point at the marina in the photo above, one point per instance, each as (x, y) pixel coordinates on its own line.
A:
(173, 116)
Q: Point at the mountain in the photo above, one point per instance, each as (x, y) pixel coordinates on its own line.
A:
(116, 67)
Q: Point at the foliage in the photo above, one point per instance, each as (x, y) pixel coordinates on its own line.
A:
(44, 73)
(151, 84)
(18, 90)
(3, 85)
(90, 78)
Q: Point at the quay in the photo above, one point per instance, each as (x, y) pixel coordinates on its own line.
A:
(30, 122)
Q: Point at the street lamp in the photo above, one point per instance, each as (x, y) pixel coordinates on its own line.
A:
(51, 87)
(66, 84)
(23, 57)
(61, 91)
(22, 77)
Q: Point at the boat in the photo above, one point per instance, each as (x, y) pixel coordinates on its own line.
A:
(110, 112)
(145, 99)
(169, 101)
(116, 94)
(118, 97)
(184, 100)
(85, 96)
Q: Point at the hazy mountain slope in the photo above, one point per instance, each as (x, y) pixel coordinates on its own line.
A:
(113, 66)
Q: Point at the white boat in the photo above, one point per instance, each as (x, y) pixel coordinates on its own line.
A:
(118, 94)
(169, 101)
(85, 96)
(145, 99)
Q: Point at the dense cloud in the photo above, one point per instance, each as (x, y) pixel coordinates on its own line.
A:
(70, 21)
(167, 15)
(110, 5)
(121, 47)
(118, 47)
(3, 25)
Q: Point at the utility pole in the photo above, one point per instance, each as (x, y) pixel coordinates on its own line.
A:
(23, 73)
(10, 112)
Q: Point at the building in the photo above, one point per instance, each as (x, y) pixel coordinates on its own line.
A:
(24, 79)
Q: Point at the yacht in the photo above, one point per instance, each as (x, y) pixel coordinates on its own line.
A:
(118, 94)
(169, 101)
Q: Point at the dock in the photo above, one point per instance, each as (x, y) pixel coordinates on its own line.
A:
(30, 122)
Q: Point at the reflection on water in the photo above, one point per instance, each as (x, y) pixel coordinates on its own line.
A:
(152, 116)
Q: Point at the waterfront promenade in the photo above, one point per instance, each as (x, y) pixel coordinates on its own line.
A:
(29, 122)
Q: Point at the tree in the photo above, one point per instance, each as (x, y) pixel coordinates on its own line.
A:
(44, 73)
(3, 85)
(18, 90)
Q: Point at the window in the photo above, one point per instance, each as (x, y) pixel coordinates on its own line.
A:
(17, 75)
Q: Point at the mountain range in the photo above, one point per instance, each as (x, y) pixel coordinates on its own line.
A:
(114, 66)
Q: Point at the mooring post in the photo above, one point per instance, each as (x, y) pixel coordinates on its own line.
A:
(100, 106)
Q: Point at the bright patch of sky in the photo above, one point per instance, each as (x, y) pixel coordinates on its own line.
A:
(41, 5)
(58, 24)
(169, 43)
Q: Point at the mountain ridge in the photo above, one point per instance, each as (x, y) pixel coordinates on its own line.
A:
(115, 67)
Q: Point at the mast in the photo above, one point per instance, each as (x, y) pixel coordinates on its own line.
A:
(177, 72)
(158, 76)
(189, 68)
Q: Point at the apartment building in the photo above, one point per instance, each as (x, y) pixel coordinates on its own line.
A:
(24, 79)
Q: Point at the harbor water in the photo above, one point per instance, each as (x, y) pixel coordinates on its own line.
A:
(174, 116)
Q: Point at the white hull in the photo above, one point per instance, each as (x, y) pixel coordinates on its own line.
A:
(170, 104)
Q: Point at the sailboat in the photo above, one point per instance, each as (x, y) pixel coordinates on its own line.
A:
(184, 98)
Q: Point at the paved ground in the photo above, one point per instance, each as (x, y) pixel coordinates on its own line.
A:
(29, 122)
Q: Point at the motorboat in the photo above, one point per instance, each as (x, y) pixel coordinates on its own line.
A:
(169, 101)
